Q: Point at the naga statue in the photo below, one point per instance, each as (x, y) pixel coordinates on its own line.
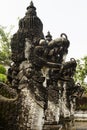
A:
(42, 90)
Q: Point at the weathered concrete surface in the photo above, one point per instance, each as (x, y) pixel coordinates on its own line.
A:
(80, 125)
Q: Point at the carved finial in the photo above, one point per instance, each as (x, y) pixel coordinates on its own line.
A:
(31, 6)
(31, 10)
(48, 36)
(31, 3)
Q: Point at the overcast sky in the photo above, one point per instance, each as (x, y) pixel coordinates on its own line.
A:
(58, 16)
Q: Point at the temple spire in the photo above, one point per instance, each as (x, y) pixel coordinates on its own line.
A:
(31, 24)
(31, 6)
(31, 3)
(31, 10)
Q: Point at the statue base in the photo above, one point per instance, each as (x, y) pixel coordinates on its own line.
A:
(52, 126)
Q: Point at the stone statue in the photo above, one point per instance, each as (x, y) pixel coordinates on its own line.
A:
(42, 90)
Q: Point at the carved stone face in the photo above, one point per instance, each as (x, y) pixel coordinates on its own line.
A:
(58, 50)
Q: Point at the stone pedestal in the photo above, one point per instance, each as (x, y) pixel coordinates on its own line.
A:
(31, 114)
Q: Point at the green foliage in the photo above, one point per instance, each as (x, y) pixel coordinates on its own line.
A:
(2, 69)
(81, 72)
(3, 78)
(5, 48)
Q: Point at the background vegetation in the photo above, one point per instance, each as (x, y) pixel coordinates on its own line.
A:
(5, 48)
(5, 52)
(81, 72)
(3, 77)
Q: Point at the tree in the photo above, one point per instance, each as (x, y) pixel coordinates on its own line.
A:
(81, 72)
(5, 48)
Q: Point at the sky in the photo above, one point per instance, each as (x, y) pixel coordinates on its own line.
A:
(57, 16)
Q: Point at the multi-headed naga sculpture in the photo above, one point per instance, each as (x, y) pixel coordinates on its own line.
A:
(43, 92)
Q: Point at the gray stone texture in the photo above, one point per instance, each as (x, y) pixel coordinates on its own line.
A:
(43, 92)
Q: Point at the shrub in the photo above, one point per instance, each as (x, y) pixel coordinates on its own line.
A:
(2, 69)
(3, 78)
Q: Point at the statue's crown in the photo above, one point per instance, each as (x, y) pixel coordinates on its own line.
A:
(31, 23)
